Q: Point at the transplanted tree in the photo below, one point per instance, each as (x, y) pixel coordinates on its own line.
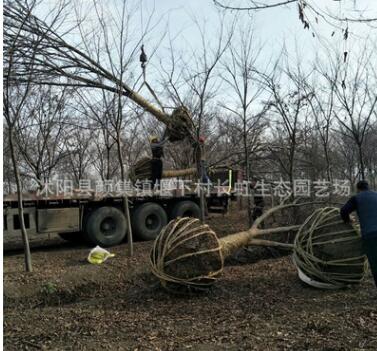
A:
(64, 60)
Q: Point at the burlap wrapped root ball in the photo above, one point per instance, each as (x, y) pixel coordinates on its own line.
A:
(328, 252)
(187, 256)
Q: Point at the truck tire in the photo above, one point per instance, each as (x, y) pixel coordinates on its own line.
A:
(72, 237)
(148, 220)
(106, 226)
(185, 209)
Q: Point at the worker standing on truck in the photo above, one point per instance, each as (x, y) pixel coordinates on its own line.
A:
(365, 204)
(157, 148)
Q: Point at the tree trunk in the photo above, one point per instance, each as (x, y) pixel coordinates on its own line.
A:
(120, 157)
(107, 163)
(25, 239)
(126, 209)
(200, 172)
(249, 204)
(361, 161)
(328, 165)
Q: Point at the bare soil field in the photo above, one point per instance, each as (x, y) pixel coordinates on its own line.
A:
(68, 304)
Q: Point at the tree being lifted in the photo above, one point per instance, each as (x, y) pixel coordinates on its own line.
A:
(188, 256)
(54, 61)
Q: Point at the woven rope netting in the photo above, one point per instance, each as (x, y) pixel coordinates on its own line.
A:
(180, 125)
(187, 255)
(329, 251)
(141, 170)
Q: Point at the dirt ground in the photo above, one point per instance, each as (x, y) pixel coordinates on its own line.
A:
(68, 304)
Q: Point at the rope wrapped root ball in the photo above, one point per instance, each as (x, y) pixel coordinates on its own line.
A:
(187, 256)
(181, 125)
(141, 170)
(328, 252)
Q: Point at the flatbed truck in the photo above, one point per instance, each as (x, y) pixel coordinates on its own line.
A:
(100, 220)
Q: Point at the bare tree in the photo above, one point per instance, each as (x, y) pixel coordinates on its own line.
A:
(355, 102)
(80, 154)
(370, 154)
(42, 131)
(321, 108)
(192, 79)
(15, 97)
(196, 81)
(306, 8)
(240, 75)
(290, 105)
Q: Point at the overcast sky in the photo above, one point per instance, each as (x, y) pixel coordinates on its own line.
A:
(272, 26)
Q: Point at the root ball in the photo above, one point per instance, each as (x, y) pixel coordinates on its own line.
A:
(328, 252)
(186, 256)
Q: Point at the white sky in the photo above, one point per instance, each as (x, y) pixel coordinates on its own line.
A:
(272, 26)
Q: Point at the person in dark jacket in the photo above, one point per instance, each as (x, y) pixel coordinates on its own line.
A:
(258, 200)
(365, 204)
(203, 162)
(157, 148)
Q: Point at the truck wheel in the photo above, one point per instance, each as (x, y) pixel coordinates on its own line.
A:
(106, 227)
(185, 209)
(72, 237)
(148, 220)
